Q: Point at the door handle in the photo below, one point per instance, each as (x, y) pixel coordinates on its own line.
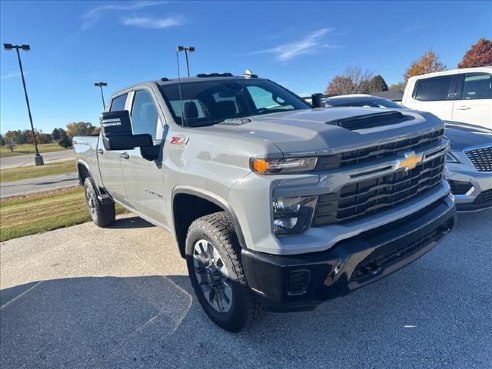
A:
(100, 151)
(124, 155)
(463, 107)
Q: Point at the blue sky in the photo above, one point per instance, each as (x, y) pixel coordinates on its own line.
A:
(301, 45)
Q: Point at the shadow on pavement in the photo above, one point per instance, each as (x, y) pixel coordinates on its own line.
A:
(130, 223)
(87, 322)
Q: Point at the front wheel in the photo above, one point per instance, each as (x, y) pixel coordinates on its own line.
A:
(102, 215)
(216, 272)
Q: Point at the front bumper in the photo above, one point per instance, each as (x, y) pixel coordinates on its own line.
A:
(300, 282)
(472, 190)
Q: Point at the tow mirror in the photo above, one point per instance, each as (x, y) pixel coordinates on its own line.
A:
(117, 132)
(317, 100)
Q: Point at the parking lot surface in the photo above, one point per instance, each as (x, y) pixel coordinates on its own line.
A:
(36, 185)
(85, 297)
(28, 160)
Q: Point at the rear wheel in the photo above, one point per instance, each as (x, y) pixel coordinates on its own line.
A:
(102, 215)
(216, 272)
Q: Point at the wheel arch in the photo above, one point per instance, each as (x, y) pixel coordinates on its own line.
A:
(202, 203)
(83, 171)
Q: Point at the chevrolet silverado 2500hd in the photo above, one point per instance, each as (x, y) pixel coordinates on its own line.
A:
(273, 202)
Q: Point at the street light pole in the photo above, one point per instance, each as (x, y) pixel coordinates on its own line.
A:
(186, 49)
(101, 85)
(38, 159)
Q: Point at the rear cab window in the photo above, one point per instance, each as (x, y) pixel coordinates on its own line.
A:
(433, 89)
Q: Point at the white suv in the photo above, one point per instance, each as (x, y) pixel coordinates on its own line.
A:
(461, 95)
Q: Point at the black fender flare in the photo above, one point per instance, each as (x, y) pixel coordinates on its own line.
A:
(215, 200)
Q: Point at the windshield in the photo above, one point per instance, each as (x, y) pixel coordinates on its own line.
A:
(213, 101)
(368, 103)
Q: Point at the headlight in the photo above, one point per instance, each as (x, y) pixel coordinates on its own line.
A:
(293, 214)
(290, 165)
(450, 158)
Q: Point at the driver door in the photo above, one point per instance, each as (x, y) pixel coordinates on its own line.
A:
(144, 179)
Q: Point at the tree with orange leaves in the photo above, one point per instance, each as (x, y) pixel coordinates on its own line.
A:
(479, 55)
(428, 63)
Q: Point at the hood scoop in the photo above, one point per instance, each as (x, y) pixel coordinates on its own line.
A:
(371, 120)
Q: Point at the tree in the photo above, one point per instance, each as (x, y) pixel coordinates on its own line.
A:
(65, 140)
(16, 137)
(428, 63)
(353, 81)
(479, 55)
(28, 135)
(10, 145)
(340, 85)
(79, 129)
(56, 134)
(377, 84)
(45, 138)
(2, 141)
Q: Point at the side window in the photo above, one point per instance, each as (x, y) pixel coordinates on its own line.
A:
(477, 86)
(118, 103)
(433, 89)
(264, 99)
(144, 114)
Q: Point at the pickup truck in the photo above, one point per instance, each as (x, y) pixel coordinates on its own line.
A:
(276, 204)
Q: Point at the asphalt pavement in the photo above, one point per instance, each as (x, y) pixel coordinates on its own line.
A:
(86, 297)
(40, 184)
(27, 160)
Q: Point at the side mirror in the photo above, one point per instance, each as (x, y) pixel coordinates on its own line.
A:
(117, 132)
(317, 100)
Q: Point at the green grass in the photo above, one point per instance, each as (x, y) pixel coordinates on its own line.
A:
(25, 215)
(15, 174)
(29, 149)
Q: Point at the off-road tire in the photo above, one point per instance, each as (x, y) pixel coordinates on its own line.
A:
(218, 230)
(102, 215)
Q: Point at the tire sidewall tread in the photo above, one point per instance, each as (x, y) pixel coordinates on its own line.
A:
(218, 229)
(105, 214)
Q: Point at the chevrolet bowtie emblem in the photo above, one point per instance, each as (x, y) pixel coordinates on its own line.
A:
(411, 160)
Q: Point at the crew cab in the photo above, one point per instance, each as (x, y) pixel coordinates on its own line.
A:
(461, 95)
(275, 204)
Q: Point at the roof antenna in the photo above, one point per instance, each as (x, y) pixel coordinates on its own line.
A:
(248, 74)
(183, 118)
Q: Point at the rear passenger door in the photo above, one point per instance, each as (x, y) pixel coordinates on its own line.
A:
(435, 95)
(475, 100)
(144, 179)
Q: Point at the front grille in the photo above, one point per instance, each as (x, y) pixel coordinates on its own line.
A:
(371, 153)
(481, 158)
(459, 188)
(372, 196)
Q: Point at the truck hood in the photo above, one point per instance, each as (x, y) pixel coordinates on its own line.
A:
(308, 132)
(463, 135)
